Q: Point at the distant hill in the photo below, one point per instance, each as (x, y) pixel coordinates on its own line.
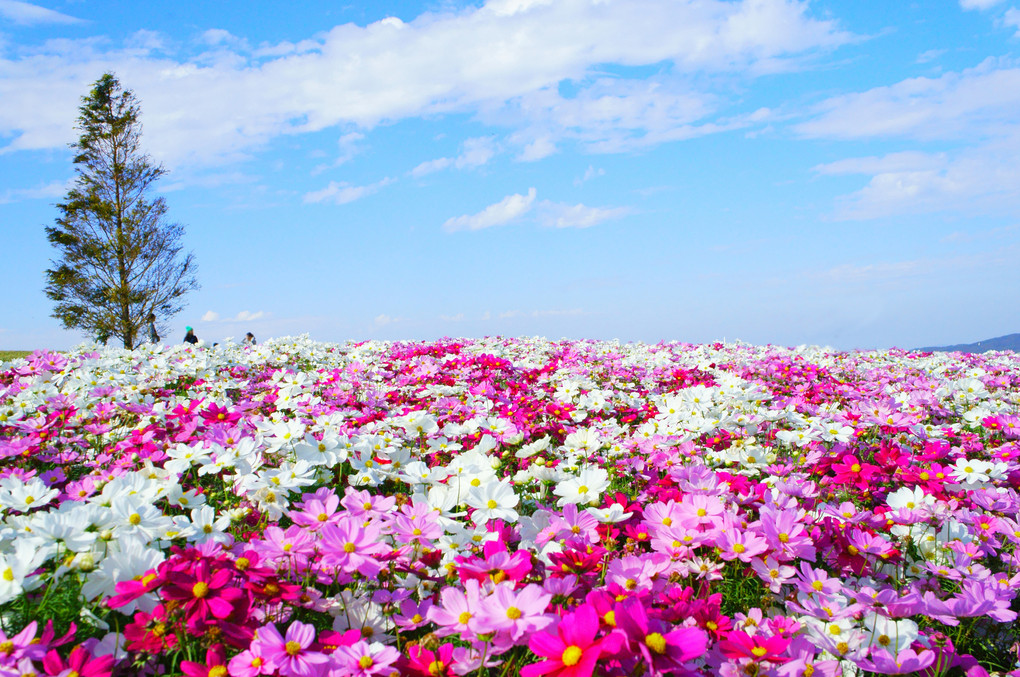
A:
(1007, 342)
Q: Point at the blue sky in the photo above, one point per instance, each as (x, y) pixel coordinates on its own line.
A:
(832, 173)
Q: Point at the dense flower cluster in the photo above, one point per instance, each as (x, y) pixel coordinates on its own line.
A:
(508, 506)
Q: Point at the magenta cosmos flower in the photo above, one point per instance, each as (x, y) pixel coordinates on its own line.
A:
(573, 651)
(290, 655)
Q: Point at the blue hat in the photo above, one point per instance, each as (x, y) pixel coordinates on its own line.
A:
(187, 329)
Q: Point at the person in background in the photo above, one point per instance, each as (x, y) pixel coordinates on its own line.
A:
(249, 339)
(153, 334)
(189, 336)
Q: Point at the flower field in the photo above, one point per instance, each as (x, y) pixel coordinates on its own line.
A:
(508, 506)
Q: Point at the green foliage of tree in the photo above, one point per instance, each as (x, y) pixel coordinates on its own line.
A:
(119, 260)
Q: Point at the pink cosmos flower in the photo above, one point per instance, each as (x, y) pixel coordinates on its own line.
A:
(785, 533)
(514, 615)
(80, 662)
(352, 546)
(573, 651)
(20, 646)
(317, 511)
(459, 611)
(291, 655)
(906, 661)
(739, 644)
(362, 659)
(772, 573)
(734, 543)
(249, 663)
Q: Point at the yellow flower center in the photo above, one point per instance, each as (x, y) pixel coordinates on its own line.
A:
(784, 538)
(200, 589)
(610, 618)
(513, 613)
(292, 648)
(492, 505)
(738, 548)
(365, 662)
(656, 642)
(464, 617)
(759, 651)
(218, 671)
(571, 655)
(135, 519)
(350, 547)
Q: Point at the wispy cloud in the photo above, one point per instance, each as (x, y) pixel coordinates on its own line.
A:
(518, 207)
(474, 153)
(242, 316)
(487, 61)
(558, 215)
(1012, 18)
(589, 174)
(507, 210)
(28, 14)
(341, 192)
(979, 4)
(976, 106)
(53, 189)
(972, 104)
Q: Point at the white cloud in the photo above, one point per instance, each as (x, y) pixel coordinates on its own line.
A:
(54, 189)
(242, 316)
(459, 317)
(27, 13)
(572, 312)
(550, 214)
(971, 104)
(557, 215)
(474, 153)
(979, 4)
(980, 180)
(1012, 18)
(541, 147)
(976, 106)
(589, 174)
(382, 320)
(906, 161)
(221, 106)
(507, 210)
(929, 55)
(341, 192)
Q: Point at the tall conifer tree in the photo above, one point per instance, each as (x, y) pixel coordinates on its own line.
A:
(119, 259)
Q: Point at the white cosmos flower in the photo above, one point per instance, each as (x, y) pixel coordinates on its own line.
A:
(529, 450)
(15, 568)
(25, 496)
(909, 498)
(493, 500)
(208, 527)
(586, 488)
(889, 634)
(614, 513)
(128, 558)
(971, 472)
